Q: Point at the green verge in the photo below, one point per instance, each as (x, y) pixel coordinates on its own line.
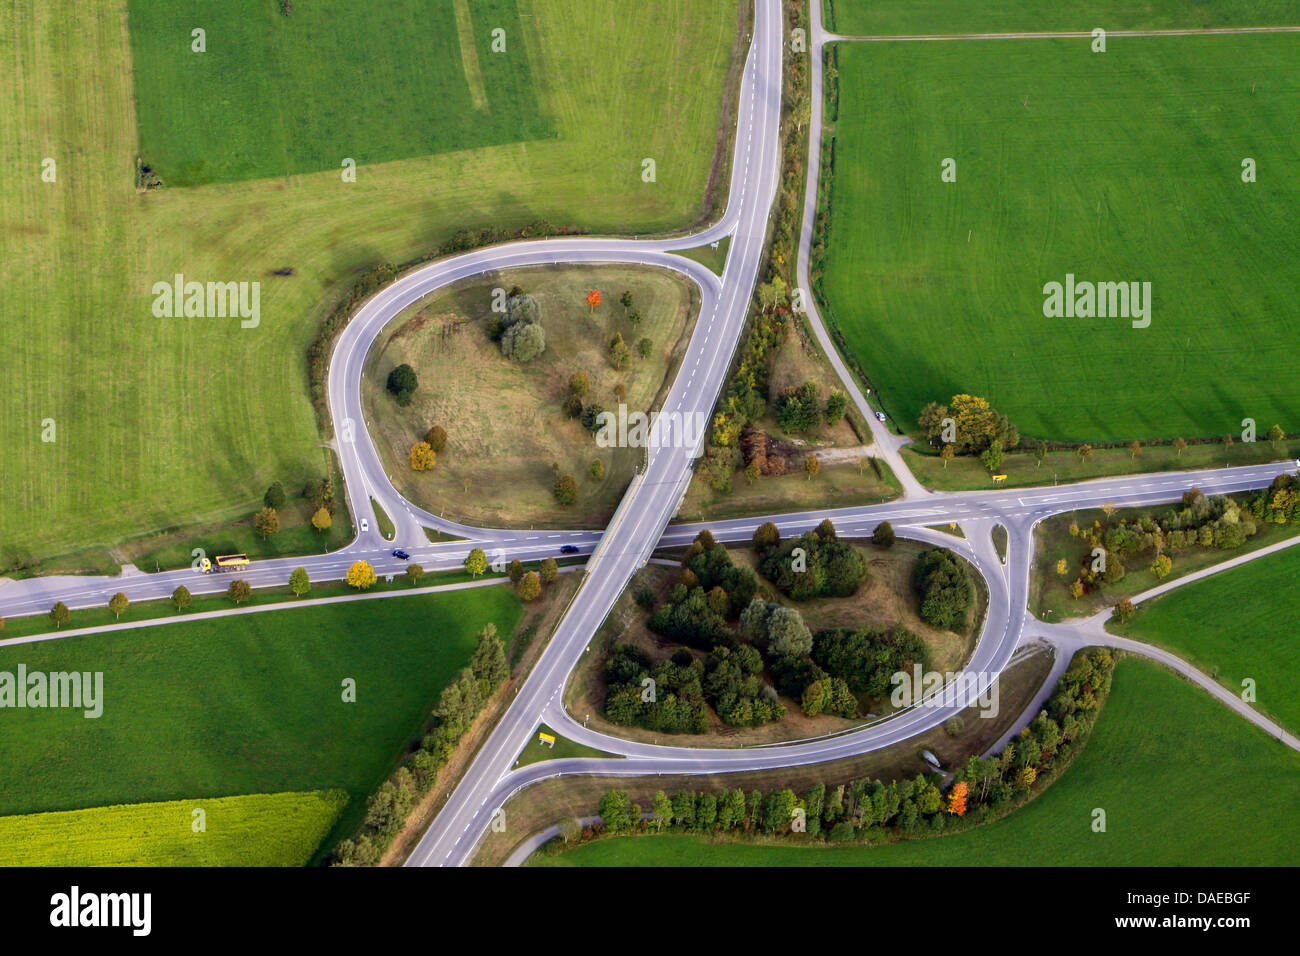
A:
(535, 751)
(386, 526)
(1116, 167)
(874, 17)
(715, 259)
(1183, 782)
(239, 705)
(263, 829)
(1255, 639)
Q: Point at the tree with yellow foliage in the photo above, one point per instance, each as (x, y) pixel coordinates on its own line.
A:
(361, 575)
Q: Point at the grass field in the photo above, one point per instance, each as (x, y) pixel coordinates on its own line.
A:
(1183, 781)
(505, 421)
(275, 95)
(1113, 167)
(865, 17)
(167, 423)
(1255, 639)
(243, 705)
(264, 829)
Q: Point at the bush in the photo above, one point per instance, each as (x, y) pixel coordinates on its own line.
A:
(523, 342)
(402, 383)
(275, 496)
(883, 536)
(944, 587)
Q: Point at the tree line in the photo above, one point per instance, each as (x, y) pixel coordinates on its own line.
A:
(870, 810)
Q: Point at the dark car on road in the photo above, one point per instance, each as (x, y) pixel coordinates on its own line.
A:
(569, 549)
(401, 554)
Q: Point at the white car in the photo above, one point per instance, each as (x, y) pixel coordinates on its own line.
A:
(365, 525)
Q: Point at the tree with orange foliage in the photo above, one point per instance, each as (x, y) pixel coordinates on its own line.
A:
(957, 798)
(593, 299)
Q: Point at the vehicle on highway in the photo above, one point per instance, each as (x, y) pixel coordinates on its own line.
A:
(223, 562)
(365, 525)
(569, 549)
(399, 553)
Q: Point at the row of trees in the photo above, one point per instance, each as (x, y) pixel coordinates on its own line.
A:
(865, 809)
(360, 576)
(528, 584)
(460, 702)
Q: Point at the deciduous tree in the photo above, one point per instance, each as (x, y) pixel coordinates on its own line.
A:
(299, 582)
(423, 457)
(476, 562)
(267, 522)
(118, 603)
(361, 575)
(239, 591)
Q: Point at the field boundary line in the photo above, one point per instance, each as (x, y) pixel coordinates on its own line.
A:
(1058, 34)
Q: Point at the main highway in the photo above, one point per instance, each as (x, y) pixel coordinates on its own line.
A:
(641, 522)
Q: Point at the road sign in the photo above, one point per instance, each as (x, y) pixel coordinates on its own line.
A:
(999, 478)
(546, 739)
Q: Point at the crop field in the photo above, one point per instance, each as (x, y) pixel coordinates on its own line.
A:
(1117, 167)
(240, 705)
(264, 829)
(1183, 781)
(1255, 639)
(162, 424)
(505, 421)
(274, 95)
(875, 17)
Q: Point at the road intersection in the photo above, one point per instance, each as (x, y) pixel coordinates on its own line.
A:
(641, 523)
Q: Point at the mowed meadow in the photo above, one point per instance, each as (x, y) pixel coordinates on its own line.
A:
(1120, 166)
(243, 705)
(167, 423)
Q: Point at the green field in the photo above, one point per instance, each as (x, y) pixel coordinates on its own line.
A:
(1235, 625)
(868, 17)
(1121, 166)
(264, 829)
(274, 95)
(1183, 781)
(171, 423)
(242, 705)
